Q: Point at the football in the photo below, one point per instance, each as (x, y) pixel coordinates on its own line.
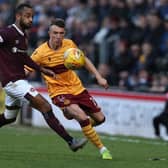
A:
(74, 58)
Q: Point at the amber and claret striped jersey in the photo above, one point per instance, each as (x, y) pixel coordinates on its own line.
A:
(66, 81)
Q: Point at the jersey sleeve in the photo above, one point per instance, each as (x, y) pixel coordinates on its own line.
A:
(5, 36)
(73, 45)
(36, 56)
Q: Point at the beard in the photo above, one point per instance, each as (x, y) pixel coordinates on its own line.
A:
(25, 26)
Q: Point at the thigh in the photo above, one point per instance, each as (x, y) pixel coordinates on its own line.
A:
(84, 100)
(90, 106)
(69, 106)
(76, 112)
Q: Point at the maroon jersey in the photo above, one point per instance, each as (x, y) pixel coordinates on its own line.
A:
(13, 54)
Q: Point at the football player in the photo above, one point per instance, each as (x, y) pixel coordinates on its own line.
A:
(13, 56)
(66, 89)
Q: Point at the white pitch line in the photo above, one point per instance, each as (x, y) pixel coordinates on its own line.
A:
(134, 140)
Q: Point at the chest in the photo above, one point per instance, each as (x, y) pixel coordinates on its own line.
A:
(53, 58)
(18, 43)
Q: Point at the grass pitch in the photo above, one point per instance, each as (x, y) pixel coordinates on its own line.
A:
(26, 147)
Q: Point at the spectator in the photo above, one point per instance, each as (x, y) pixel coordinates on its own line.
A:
(147, 58)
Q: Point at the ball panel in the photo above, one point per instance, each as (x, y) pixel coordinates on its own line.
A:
(74, 58)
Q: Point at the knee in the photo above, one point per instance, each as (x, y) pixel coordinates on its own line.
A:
(101, 121)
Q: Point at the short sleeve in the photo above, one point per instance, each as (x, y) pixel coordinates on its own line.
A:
(5, 36)
(36, 57)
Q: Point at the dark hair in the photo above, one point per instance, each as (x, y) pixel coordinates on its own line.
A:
(21, 7)
(58, 22)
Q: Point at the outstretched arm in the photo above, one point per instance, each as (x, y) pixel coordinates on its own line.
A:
(91, 68)
(30, 66)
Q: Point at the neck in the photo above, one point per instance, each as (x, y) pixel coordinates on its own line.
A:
(18, 25)
(52, 45)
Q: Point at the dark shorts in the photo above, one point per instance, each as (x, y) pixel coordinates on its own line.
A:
(84, 100)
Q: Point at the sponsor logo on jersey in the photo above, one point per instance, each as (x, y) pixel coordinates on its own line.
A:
(16, 50)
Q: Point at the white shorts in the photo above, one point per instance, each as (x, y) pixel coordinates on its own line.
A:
(15, 92)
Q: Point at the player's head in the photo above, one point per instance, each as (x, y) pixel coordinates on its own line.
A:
(24, 16)
(57, 31)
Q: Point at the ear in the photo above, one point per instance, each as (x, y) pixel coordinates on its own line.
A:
(65, 32)
(17, 16)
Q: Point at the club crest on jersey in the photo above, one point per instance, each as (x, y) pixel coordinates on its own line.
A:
(61, 98)
(32, 89)
(16, 50)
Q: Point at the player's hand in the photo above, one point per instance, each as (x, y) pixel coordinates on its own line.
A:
(103, 82)
(27, 73)
(48, 72)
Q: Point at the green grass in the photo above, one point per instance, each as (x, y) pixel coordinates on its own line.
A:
(25, 147)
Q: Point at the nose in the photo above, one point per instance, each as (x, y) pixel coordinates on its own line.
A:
(31, 19)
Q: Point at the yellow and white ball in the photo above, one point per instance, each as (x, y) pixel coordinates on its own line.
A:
(74, 58)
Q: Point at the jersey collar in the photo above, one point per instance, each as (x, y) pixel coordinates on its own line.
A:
(18, 29)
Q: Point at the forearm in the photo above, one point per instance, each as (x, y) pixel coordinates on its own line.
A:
(91, 68)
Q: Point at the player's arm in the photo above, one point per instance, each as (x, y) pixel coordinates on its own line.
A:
(91, 68)
(31, 64)
(28, 70)
(4, 37)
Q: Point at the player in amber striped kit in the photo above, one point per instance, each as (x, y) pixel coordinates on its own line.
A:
(66, 89)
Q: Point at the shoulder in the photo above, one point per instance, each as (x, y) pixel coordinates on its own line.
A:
(39, 50)
(68, 42)
(7, 29)
(7, 32)
(42, 47)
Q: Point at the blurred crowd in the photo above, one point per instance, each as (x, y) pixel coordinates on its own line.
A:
(127, 40)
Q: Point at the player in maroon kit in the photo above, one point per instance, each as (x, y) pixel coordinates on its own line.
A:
(13, 56)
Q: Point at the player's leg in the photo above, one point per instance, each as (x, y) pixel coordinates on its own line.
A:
(96, 118)
(75, 112)
(9, 115)
(23, 90)
(41, 104)
(89, 105)
(12, 107)
(78, 114)
(66, 114)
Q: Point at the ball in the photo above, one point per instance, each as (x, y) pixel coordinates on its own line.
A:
(74, 58)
